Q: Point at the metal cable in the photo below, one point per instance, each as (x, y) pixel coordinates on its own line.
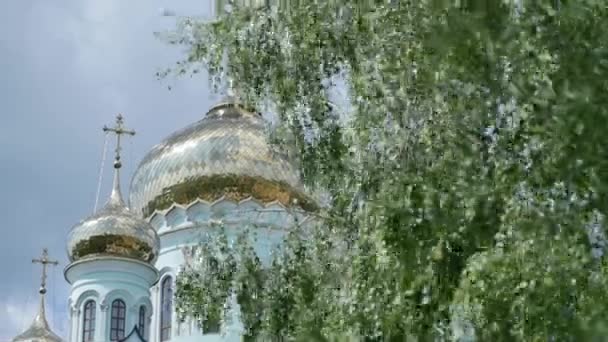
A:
(52, 311)
(23, 318)
(100, 179)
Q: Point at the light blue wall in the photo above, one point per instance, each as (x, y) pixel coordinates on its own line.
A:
(103, 280)
(192, 225)
(171, 258)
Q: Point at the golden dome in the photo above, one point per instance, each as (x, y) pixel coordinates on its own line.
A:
(224, 154)
(114, 231)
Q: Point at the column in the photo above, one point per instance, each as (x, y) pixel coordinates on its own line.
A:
(100, 323)
(155, 321)
(77, 331)
(71, 323)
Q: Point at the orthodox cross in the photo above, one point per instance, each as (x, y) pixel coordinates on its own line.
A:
(119, 130)
(44, 261)
(232, 92)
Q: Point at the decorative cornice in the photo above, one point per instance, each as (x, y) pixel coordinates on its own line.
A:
(225, 211)
(233, 187)
(102, 261)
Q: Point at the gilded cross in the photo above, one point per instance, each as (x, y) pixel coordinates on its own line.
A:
(44, 261)
(119, 130)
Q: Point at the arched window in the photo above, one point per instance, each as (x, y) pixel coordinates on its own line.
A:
(88, 321)
(117, 320)
(166, 311)
(142, 321)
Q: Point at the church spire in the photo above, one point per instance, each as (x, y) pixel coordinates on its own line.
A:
(39, 330)
(44, 260)
(119, 130)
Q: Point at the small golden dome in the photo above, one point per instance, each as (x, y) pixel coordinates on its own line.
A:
(114, 231)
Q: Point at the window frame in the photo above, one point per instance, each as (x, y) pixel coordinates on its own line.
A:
(166, 308)
(141, 320)
(88, 320)
(118, 318)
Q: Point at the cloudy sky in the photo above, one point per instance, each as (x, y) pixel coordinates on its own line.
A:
(67, 68)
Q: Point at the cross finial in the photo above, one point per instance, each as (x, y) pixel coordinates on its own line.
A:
(44, 261)
(119, 130)
(232, 92)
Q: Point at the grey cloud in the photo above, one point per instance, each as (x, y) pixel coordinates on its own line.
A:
(67, 68)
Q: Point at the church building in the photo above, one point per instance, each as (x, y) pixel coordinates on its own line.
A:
(124, 259)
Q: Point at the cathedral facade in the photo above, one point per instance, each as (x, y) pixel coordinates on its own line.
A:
(125, 258)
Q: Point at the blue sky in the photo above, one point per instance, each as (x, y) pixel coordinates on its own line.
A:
(67, 68)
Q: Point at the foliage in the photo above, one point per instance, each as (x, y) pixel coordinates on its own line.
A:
(465, 166)
(206, 295)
